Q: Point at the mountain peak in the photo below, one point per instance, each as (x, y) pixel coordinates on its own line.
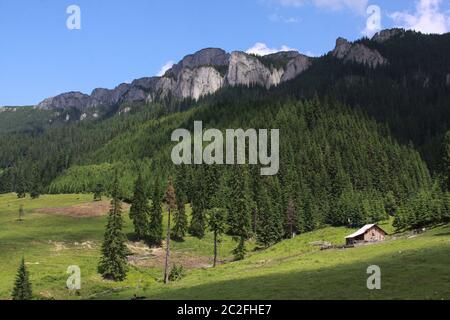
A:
(387, 34)
(358, 53)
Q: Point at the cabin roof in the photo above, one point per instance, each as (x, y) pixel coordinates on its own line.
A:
(362, 231)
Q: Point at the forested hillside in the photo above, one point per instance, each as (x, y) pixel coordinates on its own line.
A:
(353, 140)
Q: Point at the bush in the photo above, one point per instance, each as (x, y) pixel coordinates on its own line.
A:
(177, 273)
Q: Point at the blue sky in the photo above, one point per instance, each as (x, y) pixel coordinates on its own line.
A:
(123, 40)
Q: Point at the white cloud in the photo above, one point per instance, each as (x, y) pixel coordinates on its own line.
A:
(261, 49)
(165, 67)
(358, 6)
(278, 18)
(428, 18)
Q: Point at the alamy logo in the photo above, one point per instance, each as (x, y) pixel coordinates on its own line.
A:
(74, 280)
(374, 280)
(74, 20)
(236, 147)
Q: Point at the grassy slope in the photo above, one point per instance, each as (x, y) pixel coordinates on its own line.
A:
(52, 243)
(411, 268)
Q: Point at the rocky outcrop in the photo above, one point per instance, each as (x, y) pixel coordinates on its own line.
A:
(75, 100)
(387, 34)
(198, 82)
(204, 57)
(295, 67)
(196, 75)
(358, 53)
(342, 48)
(247, 70)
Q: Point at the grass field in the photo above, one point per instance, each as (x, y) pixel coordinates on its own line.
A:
(415, 267)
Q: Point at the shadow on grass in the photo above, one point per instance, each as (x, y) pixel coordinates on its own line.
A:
(422, 275)
(442, 234)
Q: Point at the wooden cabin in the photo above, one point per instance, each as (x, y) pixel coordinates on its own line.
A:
(368, 233)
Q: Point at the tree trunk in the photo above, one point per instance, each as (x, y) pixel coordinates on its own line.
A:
(166, 267)
(215, 249)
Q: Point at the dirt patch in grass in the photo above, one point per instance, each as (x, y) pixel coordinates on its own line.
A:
(84, 210)
(145, 257)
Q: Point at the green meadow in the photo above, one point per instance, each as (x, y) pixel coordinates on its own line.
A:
(412, 266)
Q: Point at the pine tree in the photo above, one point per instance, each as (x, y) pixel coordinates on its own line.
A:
(113, 263)
(217, 218)
(390, 204)
(446, 160)
(98, 192)
(156, 217)
(291, 219)
(241, 204)
(241, 209)
(240, 251)
(306, 222)
(199, 204)
(140, 210)
(266, 231)
(36, 186)
(171, 202)
(21, 187)
(399, 220)
(22, 286)
(180, 220)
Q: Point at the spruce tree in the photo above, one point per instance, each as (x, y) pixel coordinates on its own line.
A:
(98, 192)
(21, 187)
(291, 221)
(36, 186)
(266, 230)
(113, 263)
(140, 210)
(181, 189)
(240, 251)
(241, 204)
(180, 220)
(22, 285)
(171, 202)
(241, 209)
(446, 160)
(217, 218)
(199, 204)
(156, 216)
(390, 204)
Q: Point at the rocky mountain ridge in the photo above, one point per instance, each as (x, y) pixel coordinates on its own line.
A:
(211, 69)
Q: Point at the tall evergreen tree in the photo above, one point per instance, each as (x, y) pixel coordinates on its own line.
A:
(267, 232)
(390, 204)
(291, 221)
(140, 209)
(113, 263)
(21, 187)
(240, 251)
(180, 219)
(171, 202)
(199, 202)
(446, 160)
(98, 192)
(217, 220)
(22, 285)
(36, 186)
(241, 210)
(156, 216)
